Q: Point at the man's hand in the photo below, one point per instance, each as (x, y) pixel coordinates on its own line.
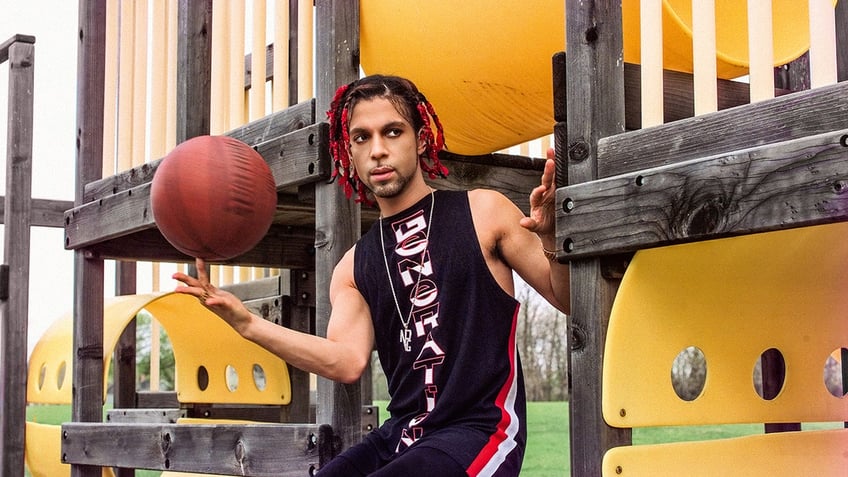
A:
(222, 303)
(542, 219)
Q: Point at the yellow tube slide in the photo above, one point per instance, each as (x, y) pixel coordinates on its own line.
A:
(486, 65)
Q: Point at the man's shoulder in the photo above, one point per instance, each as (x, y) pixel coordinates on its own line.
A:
(486, 199)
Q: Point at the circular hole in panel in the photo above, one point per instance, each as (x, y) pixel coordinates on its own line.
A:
(259, 377)
(42, 374)
(202, 378)
(60, 375)
(769, 374)
(231, 378)
(689, 373)
(835, 373)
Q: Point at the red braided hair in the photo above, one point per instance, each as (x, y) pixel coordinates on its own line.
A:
(408, 101)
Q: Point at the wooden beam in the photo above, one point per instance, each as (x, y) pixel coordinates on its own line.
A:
(45, 212)
(296, 158)
(785, 185)
(17, 38)
(87, 366)
(337, 219)
(282, 247)
(230, 449)
(788, 117)
(260, 131)
(595, 109)
(194, 57)
(841, 41)
(678, 95)
(17, 212)
(514, 176)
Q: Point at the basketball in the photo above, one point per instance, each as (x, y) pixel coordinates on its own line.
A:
(213, 197)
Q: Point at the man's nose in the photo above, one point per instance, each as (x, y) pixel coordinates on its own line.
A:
(378, 147)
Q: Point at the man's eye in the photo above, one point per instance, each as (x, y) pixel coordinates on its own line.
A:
(358, 139)
(393, 132)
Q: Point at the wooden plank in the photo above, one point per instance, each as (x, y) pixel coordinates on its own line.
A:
(17, 212)
(156, 399)
(86, 404)
(298, 308)
(260, 131)
(678, 95)
(514, 176)
(230, 449)
(194, 71)
(788, 117)
(254, 413)
(144, 416)
(45, 212)
(841, 41)
(595, 109)
(17, 38)
(258, 289)
(283, 247)
(296, 158)
(337, 219)
(300, 157)
(784, 185)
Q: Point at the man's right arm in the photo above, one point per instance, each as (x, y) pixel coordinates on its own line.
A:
(346, 351)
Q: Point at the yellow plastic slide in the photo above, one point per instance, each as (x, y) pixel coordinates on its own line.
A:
(486, 66)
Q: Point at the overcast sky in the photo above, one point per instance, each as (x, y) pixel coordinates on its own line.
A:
(53, 23)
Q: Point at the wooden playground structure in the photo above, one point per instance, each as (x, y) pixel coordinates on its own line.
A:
(677, 188)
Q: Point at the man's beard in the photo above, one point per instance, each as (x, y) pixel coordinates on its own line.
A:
(390, 189)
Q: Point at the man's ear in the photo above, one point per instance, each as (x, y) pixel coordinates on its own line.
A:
(422, 144)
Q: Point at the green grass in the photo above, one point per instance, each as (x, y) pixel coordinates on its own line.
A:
(548, 435)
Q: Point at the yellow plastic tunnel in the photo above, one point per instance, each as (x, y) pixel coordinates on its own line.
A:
(486, 66)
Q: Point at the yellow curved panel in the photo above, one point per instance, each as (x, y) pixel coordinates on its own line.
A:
(43, 452)
(734, 299)
(199, 338)
(486, 67)
(777, 454)
(202, 340)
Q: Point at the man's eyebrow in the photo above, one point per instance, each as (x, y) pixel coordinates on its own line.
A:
(389, 125)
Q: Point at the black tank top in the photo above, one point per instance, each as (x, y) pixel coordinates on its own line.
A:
(453, 371)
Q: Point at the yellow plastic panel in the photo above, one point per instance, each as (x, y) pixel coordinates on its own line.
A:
(813, 453)
(734, 299)
(199, 338)
(43, 452)
(486, 67)
(50, 364)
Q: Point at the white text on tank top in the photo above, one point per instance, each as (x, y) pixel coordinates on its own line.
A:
(415, 269)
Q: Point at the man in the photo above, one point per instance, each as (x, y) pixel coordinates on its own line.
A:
(430, 286)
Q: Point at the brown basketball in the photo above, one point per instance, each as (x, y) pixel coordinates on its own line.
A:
(213, 197)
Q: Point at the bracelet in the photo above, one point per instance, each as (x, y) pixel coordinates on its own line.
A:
(549, 254)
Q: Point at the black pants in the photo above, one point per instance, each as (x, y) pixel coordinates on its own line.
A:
(364, 460)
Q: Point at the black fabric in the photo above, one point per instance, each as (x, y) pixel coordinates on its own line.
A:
(459, 388)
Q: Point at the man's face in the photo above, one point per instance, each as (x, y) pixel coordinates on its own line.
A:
(384, 147)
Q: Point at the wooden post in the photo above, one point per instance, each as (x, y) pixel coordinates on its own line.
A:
(595, 107)
(20, 52)
(337, 219)
(194, 73)
(124, 356)
(87, 400)
(842, 41)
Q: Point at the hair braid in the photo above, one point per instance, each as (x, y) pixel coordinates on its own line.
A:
(406, 98)
(434, 143)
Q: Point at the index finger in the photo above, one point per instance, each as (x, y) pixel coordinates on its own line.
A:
(202, 274)
(549, 173)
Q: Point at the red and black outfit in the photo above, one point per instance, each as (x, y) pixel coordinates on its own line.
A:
(456, 386)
